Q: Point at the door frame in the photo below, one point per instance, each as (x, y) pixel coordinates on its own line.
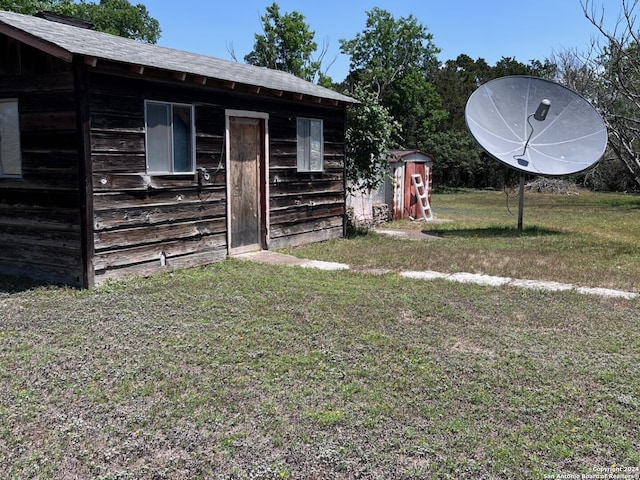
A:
(263, 177)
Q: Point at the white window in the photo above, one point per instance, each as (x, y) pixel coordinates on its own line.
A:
(10, 156)
(170, 138)
(310, 145)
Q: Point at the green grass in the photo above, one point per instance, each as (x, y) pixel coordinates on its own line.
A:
(246, 371)
(590, 239)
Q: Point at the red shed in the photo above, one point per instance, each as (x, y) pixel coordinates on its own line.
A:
(405, 163)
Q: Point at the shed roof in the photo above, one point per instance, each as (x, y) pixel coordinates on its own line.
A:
(66, 41)
(409, 156)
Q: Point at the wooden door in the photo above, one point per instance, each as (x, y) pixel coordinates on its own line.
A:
(411, 207)
(245, 152)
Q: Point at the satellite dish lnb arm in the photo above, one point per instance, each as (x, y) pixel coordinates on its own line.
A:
(540, 115)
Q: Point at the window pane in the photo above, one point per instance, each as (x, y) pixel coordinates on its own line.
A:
(182, 145)
(310, 145)
(303, 142)
(10, 159)
(315, 145)
(158, 138)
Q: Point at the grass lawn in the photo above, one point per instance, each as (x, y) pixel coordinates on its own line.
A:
(590, 239)
(246, 371)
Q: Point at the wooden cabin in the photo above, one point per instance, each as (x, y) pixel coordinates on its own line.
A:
(122, 158)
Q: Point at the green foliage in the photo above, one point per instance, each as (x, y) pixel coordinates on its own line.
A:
(121, 18)
(416, 104)
(370, 135)
(388, 49)
(391, 60)
(510, 66)
(457, 156)
(455, 81)
(117, 17)
(287, 44)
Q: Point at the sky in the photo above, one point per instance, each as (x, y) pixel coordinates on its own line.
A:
(490, 29)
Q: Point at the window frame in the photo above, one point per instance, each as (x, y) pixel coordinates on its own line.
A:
(16, 128)
(171, 159)
(304, 145)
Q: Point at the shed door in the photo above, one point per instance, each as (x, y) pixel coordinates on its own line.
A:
(245, 154)
(411, 207)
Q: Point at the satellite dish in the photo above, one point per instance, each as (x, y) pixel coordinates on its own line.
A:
(536, 126)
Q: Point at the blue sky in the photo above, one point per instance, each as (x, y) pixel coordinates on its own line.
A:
(491, 29)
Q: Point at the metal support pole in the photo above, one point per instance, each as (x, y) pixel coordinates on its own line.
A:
(521, 202)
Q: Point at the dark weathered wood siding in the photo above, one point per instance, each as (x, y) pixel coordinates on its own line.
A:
(145, 223)
(40, 221)
(86, 210)
(305, 207)
(141, 222)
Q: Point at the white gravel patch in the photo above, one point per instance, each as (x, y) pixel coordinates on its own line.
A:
(325, 265)
(543, 285)
(480, 279)
(493, 281)
(607, 292)
(426, 275)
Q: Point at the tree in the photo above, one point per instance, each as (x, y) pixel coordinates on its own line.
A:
(388, 49)
(117, 17)
(617, 90)
(455, 81)
(286, 44)
(371, 133)
(391, 61)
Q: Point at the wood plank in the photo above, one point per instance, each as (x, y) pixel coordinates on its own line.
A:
(19, 235)
(153, 267)
(297, 214)
(60, 258)
(51, 274)
(108, 240)
(151, 253)
(107, 162)
(296, 200)
(56, 120)
(303, 238)
(146, 215)
(149, 198)
(125, 142)
(36, 85)
(136, 181)
(39, 217)
(85, 173)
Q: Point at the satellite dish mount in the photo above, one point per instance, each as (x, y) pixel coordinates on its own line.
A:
(540, 115)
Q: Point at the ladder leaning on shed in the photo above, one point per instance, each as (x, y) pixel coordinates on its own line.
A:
(423, 196)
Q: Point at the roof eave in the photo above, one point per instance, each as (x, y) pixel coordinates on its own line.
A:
(203, 81)
(38, 43)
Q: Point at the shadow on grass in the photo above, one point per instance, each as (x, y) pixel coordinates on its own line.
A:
(10, 284)
(488, 232)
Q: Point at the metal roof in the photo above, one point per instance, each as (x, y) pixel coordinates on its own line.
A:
(66, 41)
(408, 155)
